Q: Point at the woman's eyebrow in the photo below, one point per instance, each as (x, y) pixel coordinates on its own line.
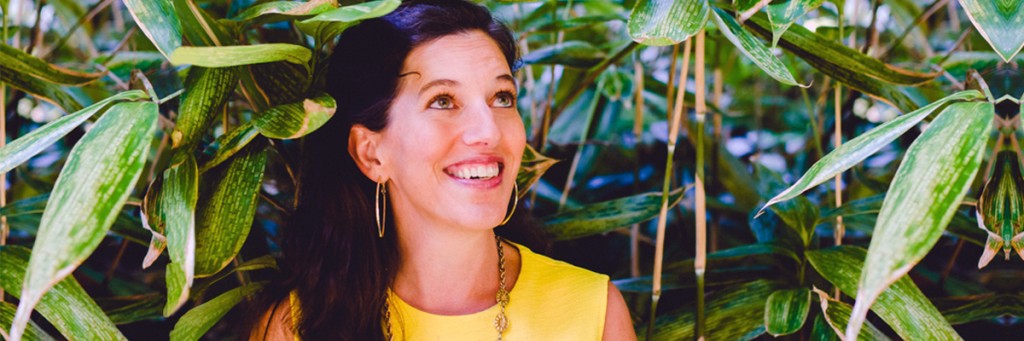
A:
(438, 82)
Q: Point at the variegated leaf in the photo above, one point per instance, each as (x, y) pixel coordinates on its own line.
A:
(753, 48)
(667, 22)
(1001, 22)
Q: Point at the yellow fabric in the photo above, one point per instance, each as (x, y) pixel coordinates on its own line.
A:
(551, 300)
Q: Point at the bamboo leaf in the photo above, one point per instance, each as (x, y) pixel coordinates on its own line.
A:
(226, 56)
(159, 22)
(198, 27)
(199, 320)
(226, 213)
(229, 144)
(258, 263)
(93, 185)
(32, 332)
(933, 178)
(784, 13)
(206, 91)
(294, 120)
(864, 145)
(968, 309)
(574, 53)
(27, 146)
(177, 209)
(15, 60)
(734, 313)
(667, 22)
(753, 48)
(270, 84)
(41, 89)
(1000, 208)
(274, 11)
(608, 215)
(532, 166)
(786, 311)
(134, 308)
(67, 306)
(903, 306)
(837, 314)
(999, 22)
(328, 25)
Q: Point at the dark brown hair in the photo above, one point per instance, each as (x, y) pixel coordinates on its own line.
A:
(332, 257)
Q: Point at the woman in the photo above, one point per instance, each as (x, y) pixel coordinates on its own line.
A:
(427, 126)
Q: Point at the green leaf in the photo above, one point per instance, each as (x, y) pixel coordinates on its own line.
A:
(199, 320)
(784, 13)
(177, 209)
(608, 215)
(53, 93)
(999, 22)
(532, 166)
(837, 314)
(786, 311)
(667, 22)
(960, 310)
(849, 66)
(226, 213)
(198, 27)
(270, 84)
(226, 56)
(733, 313)
(751, 47)
(158, 22)
(294, 120)
(903, 306)
(821, 331)
(15, 60)
(800, 214)
(864, 145)
(327, 25)
(27, 146)
(33, 332)
(206, 91)
(574, 53)
(258, 263)
(93, 185)
(67, 306)
(933, 178)
(1000, 208)
(229, 144)
(274, 11)
(135, 308)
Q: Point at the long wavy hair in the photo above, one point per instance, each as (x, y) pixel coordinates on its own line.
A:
(333, 259)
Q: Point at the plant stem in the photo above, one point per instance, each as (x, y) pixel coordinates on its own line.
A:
(699, 263)
(582, 144)
(638, 130)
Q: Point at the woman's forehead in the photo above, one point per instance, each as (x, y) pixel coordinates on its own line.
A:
(468, 54)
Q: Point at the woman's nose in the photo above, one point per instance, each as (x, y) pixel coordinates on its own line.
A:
(481, 126)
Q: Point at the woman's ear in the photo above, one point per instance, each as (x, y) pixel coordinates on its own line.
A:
(363, 146)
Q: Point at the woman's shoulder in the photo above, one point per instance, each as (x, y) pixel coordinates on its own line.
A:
(277, 322)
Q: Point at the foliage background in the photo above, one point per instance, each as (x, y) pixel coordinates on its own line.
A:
(592, 97)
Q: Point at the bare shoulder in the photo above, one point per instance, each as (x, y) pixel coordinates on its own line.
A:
(275, 324)
(617, 323)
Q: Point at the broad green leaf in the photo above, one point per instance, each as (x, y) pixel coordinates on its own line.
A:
(93, 185)
(799, 214)
(822, 331)
(270, 84)
(206, 91)
(608, 215)
(226, 211)
(1000, 208)
(32, 332)
(936, 173)
(786, 311)
(27, 146)
(177, 209)
(274, 11)
(753, 48)
(227, 56)
(229, 144)
(327, 25)
(784, 13)
(903, 306)
(1000, 22)
(158, 22)
(67, 306)
(294, 120)
(864, 145)
(733, 313)
(53, 93)
(849, 66)
(199, 320)
(574, 53)
(15, 60)
(153, 221)
(198, 27)
(968, 309)
(837, 314)
(532, 166)
(667, 22)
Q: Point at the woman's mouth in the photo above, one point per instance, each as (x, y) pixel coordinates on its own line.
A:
(474, 171)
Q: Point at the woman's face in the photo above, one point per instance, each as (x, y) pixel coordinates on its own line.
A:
(454, 139)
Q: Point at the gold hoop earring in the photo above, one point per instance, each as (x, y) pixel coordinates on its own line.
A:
(515, 203)
(381, 215)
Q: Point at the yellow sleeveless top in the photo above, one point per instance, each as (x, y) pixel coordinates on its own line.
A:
(551, 300)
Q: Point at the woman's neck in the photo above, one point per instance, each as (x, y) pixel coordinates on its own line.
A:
(451, 272)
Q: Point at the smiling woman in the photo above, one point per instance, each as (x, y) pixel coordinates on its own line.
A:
(394, 236)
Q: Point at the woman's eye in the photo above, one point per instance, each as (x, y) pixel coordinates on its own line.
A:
(504, 100)
(442, 102)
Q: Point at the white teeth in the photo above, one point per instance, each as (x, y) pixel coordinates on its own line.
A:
(476, 171)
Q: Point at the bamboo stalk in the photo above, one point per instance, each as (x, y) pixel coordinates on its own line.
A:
(716, 99)
(3, 176)
(638, 130)
(673, 136)
(840, 230)
(700, 262)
